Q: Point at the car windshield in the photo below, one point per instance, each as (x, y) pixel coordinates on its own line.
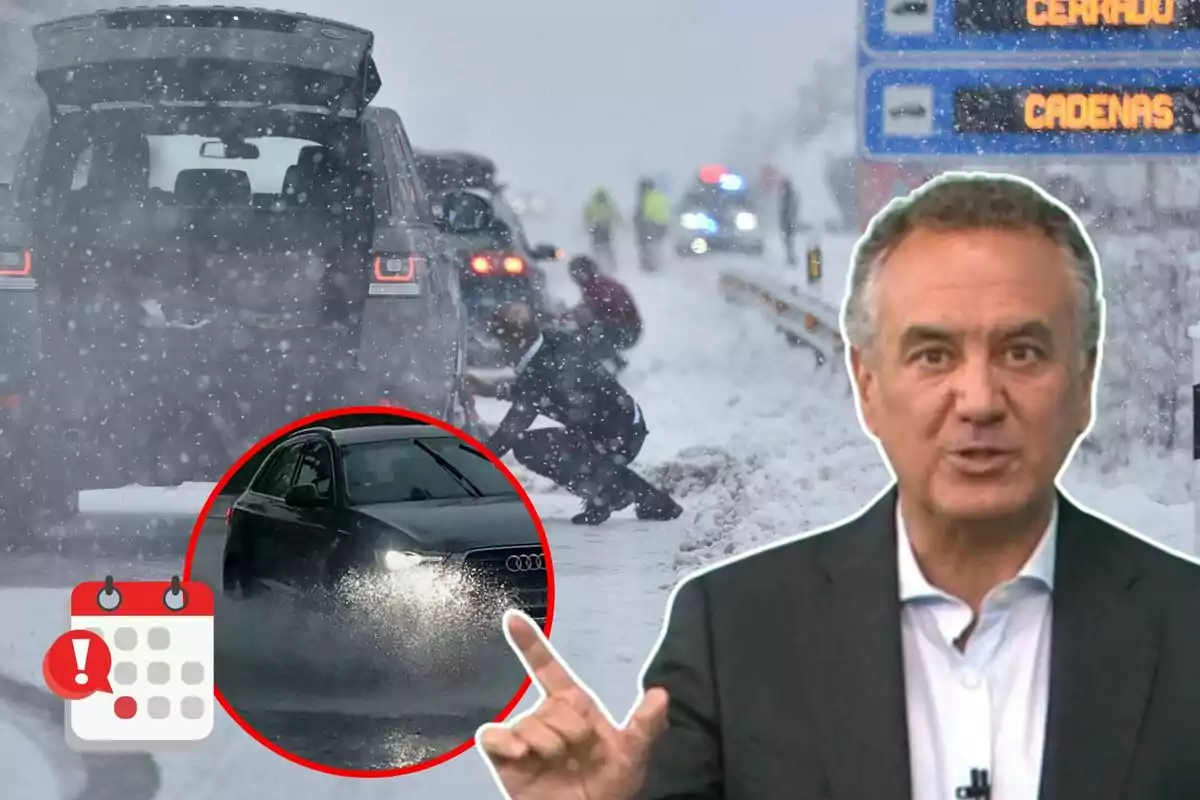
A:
(414, 470)
(717, 201)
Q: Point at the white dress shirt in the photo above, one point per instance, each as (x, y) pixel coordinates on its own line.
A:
(983, 708)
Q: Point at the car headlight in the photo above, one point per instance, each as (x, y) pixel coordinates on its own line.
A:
(399, 560)
(698, 222)
(747, 221)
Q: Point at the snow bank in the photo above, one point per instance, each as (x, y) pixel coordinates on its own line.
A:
(759, 444)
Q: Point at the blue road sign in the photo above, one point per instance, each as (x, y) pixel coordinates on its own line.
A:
(996, 28)
(1065, 113)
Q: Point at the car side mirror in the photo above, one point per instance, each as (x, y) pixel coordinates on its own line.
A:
(463, 212)
(304, 496)
(546, 252)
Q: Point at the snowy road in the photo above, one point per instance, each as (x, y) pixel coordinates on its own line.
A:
(756, 445)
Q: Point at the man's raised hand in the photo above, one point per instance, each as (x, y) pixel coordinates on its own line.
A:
(568, 747)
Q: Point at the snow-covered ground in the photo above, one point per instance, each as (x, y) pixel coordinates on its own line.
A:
(756, 443)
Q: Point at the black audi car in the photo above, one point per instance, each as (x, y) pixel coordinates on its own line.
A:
(378, 502)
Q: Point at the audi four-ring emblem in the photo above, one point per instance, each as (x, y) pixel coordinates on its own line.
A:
(525, 563)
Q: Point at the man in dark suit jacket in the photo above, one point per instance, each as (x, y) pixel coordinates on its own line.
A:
(785, 671)
(973, 634)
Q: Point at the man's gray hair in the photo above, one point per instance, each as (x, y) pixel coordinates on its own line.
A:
(956, 201)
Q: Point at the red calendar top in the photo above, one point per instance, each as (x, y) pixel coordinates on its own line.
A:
(173, 598)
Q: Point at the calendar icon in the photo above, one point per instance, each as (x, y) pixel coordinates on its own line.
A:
(160, 638)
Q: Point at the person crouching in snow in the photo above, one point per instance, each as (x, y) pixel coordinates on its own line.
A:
(602, 431)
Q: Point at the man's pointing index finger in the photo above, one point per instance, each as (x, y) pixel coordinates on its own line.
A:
(543, 666)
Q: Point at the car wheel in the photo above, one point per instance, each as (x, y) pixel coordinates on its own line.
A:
(335, 573)
(16, 516)
(21, 501)
(231, 584)
(236, 582)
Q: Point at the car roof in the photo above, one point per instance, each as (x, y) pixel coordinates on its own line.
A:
(383, 433)
(446, 168)
(460, 156)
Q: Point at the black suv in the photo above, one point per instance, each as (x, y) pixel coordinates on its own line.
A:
(209, 233)
(496, 264)
(378, 502)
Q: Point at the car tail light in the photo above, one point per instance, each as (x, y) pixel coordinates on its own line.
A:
(395, 268)
(16, 263)
(497, 263)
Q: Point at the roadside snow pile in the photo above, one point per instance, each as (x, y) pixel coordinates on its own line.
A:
(749, 436)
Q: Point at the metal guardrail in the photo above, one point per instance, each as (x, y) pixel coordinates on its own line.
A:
(804, 319)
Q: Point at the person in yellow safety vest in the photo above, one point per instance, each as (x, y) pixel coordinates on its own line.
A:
(653, 220)
(600, 217)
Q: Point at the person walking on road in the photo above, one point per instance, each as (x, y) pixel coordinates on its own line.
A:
(651, 222)
(601, 217)
(602, 431)
(789, 218)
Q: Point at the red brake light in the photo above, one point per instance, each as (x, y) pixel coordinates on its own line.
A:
(229, 516)
(492, 263)
(397, 268)
(16, 263)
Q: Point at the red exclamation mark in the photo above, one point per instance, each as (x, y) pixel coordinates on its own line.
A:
(81, 652)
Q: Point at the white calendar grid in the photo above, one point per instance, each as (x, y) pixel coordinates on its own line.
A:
(162, 672)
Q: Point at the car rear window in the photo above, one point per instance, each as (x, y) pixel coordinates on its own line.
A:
(179, 164)
(171, 155)
(135, 162)
(415, 470)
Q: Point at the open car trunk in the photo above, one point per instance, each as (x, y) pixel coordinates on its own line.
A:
(207, 286)
(207, 56)
(114, 80)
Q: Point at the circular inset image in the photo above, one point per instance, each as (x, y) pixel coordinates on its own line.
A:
(363, 560)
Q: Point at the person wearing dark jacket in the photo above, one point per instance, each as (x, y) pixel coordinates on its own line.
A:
(789, 218)
(603, 427)
(607, 318)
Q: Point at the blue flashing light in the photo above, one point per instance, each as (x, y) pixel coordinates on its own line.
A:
(732, 183)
